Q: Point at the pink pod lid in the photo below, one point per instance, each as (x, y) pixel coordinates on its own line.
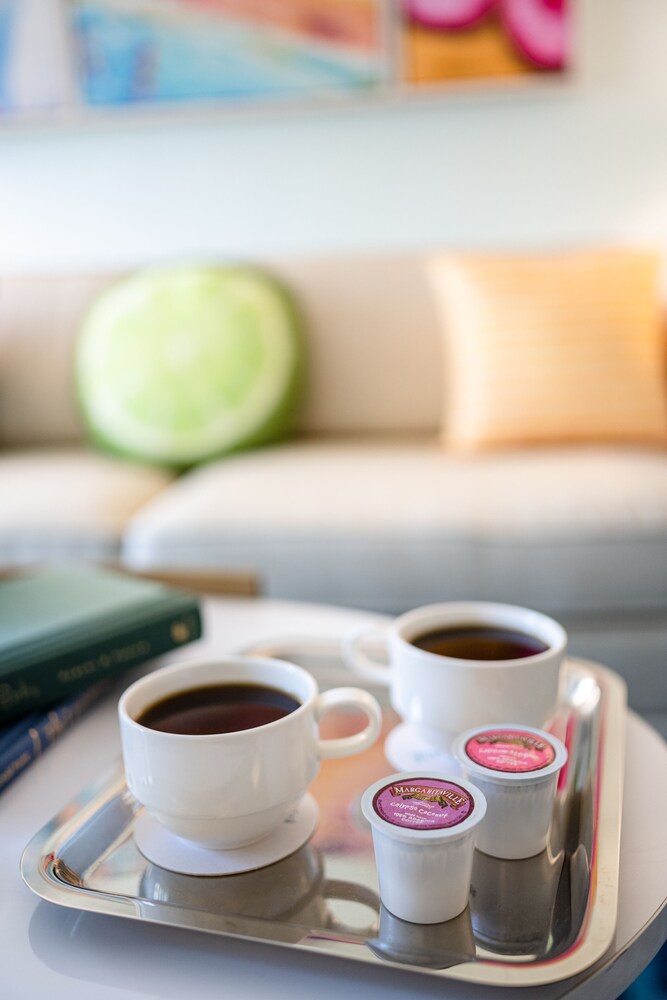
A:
(510, 753)
(417, 806)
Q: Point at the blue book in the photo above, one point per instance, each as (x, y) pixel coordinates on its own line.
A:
(23, 740)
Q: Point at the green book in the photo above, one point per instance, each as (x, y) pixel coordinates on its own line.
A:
(63, 630)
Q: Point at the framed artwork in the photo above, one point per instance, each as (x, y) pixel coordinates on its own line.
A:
(446, 40)
(60, 58)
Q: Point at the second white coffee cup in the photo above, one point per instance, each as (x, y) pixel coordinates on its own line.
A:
(443, 695)
(226, 790)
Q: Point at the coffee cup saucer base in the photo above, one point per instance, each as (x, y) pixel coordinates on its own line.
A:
(166, 850)
(407, 750)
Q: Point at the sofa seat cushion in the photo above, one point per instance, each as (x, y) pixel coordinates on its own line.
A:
(390, 525)
(68, 504)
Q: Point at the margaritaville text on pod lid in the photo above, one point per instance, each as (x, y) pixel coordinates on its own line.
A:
(415, 806)
(510, 753)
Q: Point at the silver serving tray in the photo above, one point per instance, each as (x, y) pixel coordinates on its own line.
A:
(528, 923)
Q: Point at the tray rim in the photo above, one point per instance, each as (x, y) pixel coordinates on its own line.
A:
(591, 944)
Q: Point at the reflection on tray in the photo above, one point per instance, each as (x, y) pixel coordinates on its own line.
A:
(513, 903)
(430, 946)
(293, 893)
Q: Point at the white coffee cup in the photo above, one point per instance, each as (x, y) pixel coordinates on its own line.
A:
(443, 695)
(231, 789)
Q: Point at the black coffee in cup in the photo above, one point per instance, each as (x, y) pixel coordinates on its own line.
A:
(479, 642)
(218, 708)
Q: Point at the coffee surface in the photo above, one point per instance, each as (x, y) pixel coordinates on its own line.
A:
(218, 708)
(475, 642)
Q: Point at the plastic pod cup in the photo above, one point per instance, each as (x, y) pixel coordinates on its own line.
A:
(424, 828)
(517, 769)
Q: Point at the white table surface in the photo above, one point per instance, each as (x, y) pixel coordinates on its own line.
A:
(48, 951)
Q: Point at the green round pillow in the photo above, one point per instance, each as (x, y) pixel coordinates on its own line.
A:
(176, 366)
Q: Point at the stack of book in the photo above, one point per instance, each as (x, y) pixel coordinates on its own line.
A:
(65, 636)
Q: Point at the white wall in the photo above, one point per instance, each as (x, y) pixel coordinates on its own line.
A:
(587, 163)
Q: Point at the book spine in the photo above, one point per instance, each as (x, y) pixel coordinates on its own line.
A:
(24, 741)
(67, 673)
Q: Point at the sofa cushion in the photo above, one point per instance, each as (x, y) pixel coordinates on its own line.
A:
(552, 348)
(39, 321)
(68, 504)
(391, 525)
(362, 313)
(373, 351)
(177, 365)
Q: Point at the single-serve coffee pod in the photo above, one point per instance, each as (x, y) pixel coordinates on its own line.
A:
(424, 828)
(517, 768)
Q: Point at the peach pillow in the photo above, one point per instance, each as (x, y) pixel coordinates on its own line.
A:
(552, 348)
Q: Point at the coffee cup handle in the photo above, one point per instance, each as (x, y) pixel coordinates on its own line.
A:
(361, 663)
(345, 746)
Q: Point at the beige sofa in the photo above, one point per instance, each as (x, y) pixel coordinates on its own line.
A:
(364, 507)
